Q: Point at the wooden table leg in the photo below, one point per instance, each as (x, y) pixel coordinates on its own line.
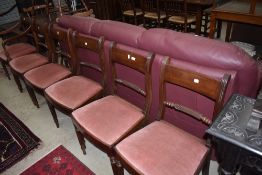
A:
(198, 20)
(212, 26)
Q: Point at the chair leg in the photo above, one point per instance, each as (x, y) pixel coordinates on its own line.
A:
(32, 96)
(135, 21)
(116, 166)
(205, 170)
(18, 82)
(5, 69)
(81, 140)
(52, 110)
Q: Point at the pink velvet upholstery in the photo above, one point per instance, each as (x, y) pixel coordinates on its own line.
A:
(160, 148)
(73, 92)
(46, 75)
(92, 118)
(17, 50)
(28, 62)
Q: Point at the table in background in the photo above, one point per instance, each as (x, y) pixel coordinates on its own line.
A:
(249, 12)
(235, 145)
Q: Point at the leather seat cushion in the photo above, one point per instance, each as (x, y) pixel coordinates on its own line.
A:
(46, 75)
(25, 63)
(108, 119)
(17, 50)
(160, 148)
(73, 92)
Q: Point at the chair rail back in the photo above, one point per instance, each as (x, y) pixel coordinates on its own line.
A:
(92, 44)
(138, 63)
(59, 45)
(209, 87)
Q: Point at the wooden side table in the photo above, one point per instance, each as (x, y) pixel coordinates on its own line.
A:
(236, 11)
(235, 145)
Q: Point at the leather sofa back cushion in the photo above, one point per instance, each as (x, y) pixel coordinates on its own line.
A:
(205, 52)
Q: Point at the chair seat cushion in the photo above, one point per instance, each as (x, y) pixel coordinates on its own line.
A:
(25, 63)
(46, 75)
(160, 148)
(131, 12)
(153, 15)
(73, 92)
(181, 19)
(108, 119)
(17, 50)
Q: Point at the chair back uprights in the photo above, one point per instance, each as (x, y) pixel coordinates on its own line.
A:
(152, 12)
(95, 45)
(59, 45)
(178, 14)
(209, 87)
(138, 63)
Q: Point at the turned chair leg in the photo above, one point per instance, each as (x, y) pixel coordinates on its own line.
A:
(116, 165)
(5, 70)
(52, 110)
(81, 140)
(18, 82)
(32, 96)
(205, 170)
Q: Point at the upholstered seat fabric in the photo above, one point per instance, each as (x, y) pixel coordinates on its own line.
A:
(28, 62)
(17, 50)
(131, 12)
(160, 148)
(108, 119)
(153, 15)
(73, 92)
(181, 19)
(46, 75)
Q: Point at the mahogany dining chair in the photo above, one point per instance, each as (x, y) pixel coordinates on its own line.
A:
(71, 93)
(106, 121)
(161, 147)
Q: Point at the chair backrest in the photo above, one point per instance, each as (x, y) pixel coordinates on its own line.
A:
(95, 45)
(127, 5)
(135, 62)
(150, 6)
(42, 37)
(175, 7)
(209, 87)
(59, 46)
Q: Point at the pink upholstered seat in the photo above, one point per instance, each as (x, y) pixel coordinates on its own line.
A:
(73, 92)
(27, 62)
(46, 75)
(17, 50)
(108, 119)
(160, 148)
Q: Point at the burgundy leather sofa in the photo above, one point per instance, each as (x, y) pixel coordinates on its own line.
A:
(210, 57)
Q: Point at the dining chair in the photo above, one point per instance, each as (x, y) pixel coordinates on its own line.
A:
(129, 10)
(108, 120)
(17, 45)
(178, 15)
(38, 79)
(161, 147)
(206, 18)
(27, 62)
(152, 13)
(69, 94)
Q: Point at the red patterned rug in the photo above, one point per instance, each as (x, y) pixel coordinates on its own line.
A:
(58, 162)
(16, 140)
